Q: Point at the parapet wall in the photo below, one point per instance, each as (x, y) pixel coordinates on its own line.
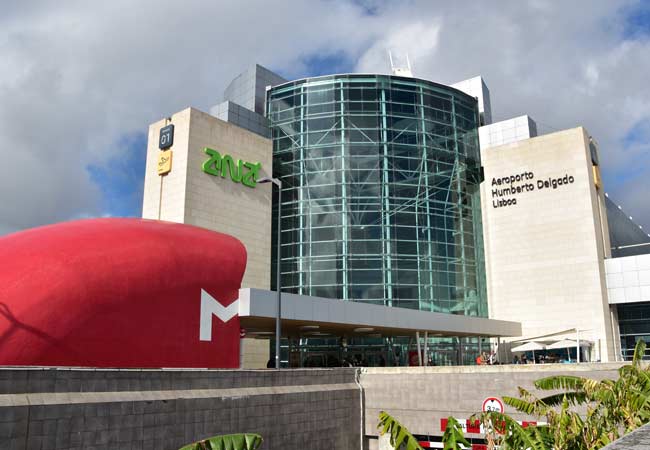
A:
(78, 409)
(166, 409)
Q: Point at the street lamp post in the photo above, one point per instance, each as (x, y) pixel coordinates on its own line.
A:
(278, 183)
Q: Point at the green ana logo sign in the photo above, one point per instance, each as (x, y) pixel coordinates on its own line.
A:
(239, 171)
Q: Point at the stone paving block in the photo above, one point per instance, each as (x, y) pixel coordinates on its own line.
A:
(49, 427)
(148, 433)
(125, 435)
(91, 410)
(13, 413)
(34, 443)
(64, 425)
(62, 440)
(9, 430)
(148, 420)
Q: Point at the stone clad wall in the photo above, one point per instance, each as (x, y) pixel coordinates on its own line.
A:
(165, 409)
(189, 195)
(223, 205)
(164, 196)
(545, 253)
(292, 409)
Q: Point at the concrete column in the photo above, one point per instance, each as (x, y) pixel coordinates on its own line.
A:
(241, 352)
(425, 356)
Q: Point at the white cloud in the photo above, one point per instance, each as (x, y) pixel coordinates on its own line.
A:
(566, 64)
(417, 40)
(78, 76)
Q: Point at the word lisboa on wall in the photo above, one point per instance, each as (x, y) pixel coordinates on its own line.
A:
(239, 171)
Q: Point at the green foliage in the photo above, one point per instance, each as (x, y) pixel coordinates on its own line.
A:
(503, 431)
(453, 436)
(241, 441)
(613, 407)
(400, 437)
(609, 408)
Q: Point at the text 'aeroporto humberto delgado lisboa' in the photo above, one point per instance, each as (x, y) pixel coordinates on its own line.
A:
(520, 183)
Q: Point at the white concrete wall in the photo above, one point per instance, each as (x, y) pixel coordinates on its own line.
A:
(476, 87)
(188, 195)
(164, 196)
(628, 279)
(222, 205)
(545, 254)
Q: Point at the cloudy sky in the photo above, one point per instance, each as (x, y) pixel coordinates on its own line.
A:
(80, 81)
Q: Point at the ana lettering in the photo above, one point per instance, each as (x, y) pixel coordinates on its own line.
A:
(239, 171)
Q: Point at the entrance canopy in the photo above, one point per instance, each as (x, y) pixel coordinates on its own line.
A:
(568, 343)
(316, 316)
(528, 347)
(554, 341)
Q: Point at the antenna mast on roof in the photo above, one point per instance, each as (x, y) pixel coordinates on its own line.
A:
(400, 71)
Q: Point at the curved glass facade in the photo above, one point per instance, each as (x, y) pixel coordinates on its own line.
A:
(380, 196)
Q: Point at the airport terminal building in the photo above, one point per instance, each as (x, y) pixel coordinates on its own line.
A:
(400, 194)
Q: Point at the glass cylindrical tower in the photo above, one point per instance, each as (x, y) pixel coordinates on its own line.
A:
(381, 203)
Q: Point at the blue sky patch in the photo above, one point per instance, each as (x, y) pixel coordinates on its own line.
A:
(637, 21)
(327, 64)
(121, 178)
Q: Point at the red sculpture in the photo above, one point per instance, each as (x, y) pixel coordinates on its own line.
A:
(120, 293)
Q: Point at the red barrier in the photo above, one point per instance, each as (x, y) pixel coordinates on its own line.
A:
(118, 293)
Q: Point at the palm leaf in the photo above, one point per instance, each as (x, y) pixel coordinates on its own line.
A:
(560, 382)
(240, 441)
(527, 404)
(453, 436)
(574, 398)
(644, 380)
(399, 434)
(518, 437)
(639, 352)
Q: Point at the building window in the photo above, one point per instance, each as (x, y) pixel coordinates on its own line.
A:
(380, 199)
(634, 325)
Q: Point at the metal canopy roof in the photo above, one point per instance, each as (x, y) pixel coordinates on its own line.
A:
(313, 316)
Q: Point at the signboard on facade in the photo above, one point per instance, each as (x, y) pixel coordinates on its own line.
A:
(164, 162)
(506, 190)
(238, 170)
(166, 138)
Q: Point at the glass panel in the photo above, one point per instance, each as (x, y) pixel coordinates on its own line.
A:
(634, 325)
(381, 192)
